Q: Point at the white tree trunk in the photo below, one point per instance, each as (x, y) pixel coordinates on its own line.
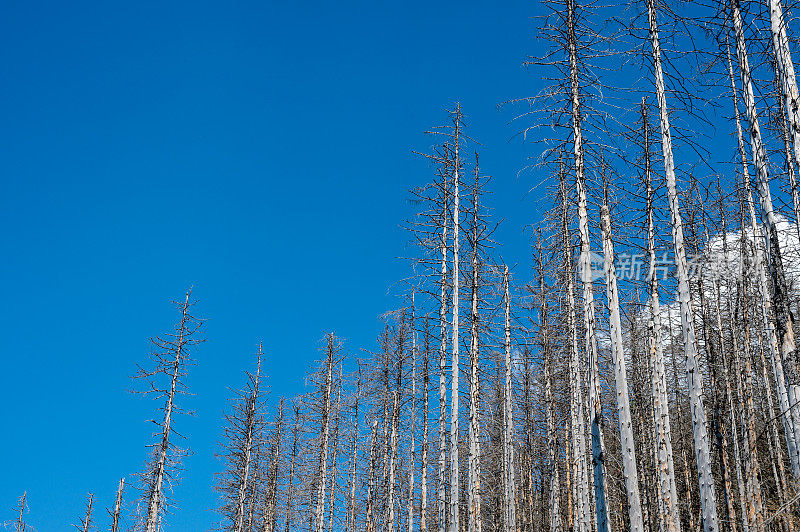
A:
(786, 76)
(667, 489)
(474, 464)
(390, 504)
(621, 380)
(455, 368)
(699, 426)
(156, 494)
(509, 479)
(117, 507)
(441, 497)
(322, 468)
(423, 496)
(595, 406)
(577, 420)
(413, 414)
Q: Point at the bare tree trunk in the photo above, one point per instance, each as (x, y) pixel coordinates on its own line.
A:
(370, 524)
(595, 406)
(117, 507)
(335, 456)
(577, 420)
(700, 431)
(667, 488)
(292, 463)
(554, 506)
(474, 464)
(86, 521)
(441, 497)
(413, 414)
(753, 473)
(351, 492)
(247, 459)
(270, 517)
(423, 502)
(621, 379)
(455, 368)
(390, 504)
(19, 526)
(156, 495)
(786, 76)
(509, 477)
(322, 468)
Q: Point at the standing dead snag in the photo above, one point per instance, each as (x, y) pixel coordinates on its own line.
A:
(621, 380)
(426, 383)
(19, 526)
(269, 518)
(454, 363)
(476, 240)
(350, 524)
(413, 414)
(509, 475)
(86, 523)
(585, 270)
(576, 409)
(784, 65)
(321, 406)
(165, 380)
(289, 509)
(545, 343)
(441, 500)
(667, 488)
(115, 514)
(242, 437)
(708, 501)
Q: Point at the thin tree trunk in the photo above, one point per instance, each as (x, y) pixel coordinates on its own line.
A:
(577, 419)
(413, 414)
(322, 468)
(371, 484)
(156, 495)
(708, 502)
(292, 463)
(629, 469)
(595, 406)
(509, 477)
(441, 498)
(455, 368)
(474, 464)
(117, 507)
(667, 487)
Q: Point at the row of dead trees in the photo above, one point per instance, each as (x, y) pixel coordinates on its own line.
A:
(646, 378)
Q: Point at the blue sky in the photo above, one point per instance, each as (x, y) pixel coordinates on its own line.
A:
(258, 151)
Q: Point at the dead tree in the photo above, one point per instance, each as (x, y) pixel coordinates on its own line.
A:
(19, 525)
(115, 513)
(243, 434)
(699, 425)
(165, 381)
(86, 523)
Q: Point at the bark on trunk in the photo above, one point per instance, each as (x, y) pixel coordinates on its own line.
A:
(699, 426)
(629, 470)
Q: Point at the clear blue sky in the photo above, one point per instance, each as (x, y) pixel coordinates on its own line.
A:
(260, 151)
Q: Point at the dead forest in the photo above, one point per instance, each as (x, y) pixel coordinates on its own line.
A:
(638, 372)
